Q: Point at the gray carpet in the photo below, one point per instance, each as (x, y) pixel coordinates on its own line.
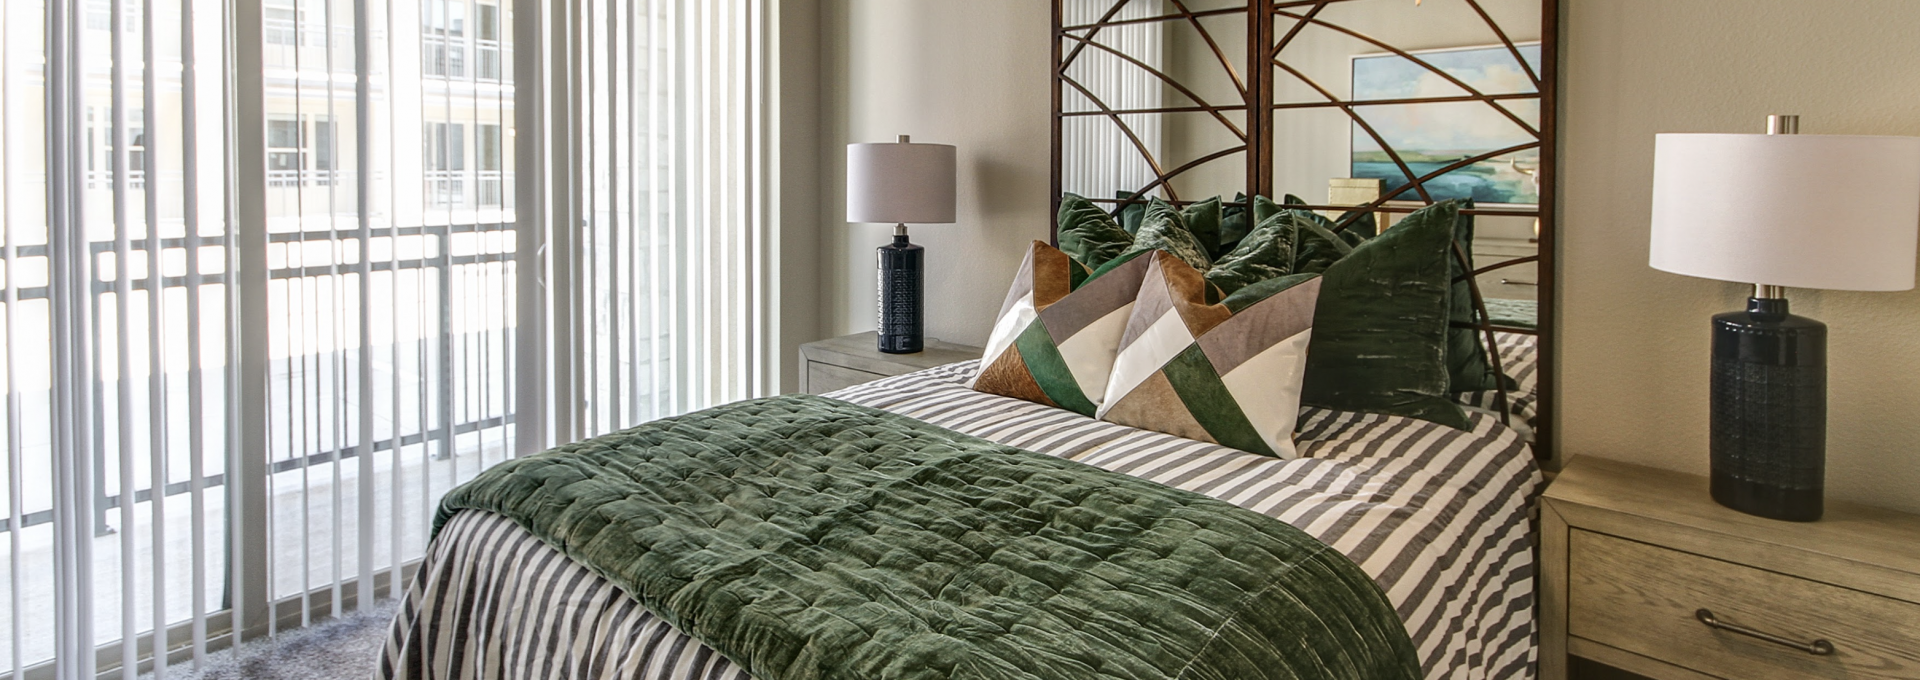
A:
(335, 649)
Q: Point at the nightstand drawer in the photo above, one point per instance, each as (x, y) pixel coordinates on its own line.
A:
(824, 378)
(1643, 599)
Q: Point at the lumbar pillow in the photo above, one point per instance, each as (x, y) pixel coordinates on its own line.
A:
(1055, 338)
(1228, 372)
(1381, 327)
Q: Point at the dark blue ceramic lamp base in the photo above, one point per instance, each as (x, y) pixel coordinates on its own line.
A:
(902, 267)
(1769, 402)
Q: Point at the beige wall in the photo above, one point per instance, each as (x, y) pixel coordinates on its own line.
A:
(1634, 345)
(1634, 376)
(800, 118)
(972, 74)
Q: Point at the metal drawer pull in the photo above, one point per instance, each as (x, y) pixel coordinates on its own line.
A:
(1816, 648)
(1516, 282)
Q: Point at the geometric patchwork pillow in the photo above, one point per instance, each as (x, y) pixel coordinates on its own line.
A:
(1059, 328)
(1228, 373)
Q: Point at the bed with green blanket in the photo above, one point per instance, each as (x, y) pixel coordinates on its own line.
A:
(806, 537)
(913, 528)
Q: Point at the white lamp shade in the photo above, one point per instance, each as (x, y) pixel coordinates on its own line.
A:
(1801, 211)
(900, 183)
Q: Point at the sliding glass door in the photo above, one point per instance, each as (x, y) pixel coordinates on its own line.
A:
(279, 273)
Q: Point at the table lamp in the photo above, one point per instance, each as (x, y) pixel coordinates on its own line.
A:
(1780, 210)
(903, 183)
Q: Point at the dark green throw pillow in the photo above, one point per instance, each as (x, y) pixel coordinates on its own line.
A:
(1130, 213)
(1358, 226)
(1203, 221)
(1315, 246)
(1161, 228)
(1088, 234)
(1467, 362)
(1235, 222)
(1380, 329)
(1265, 253)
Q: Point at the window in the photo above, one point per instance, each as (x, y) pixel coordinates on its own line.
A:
(400, 332)
(300, 151)
(282, 26)
(323, 146)
(286, 152)
(99, 154)
(487, 148)
(487, 27)
(443, 38)
(446, 163)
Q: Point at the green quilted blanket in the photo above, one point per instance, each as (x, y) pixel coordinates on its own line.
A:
(805, 537)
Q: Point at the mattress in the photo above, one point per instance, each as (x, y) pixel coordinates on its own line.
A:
(1437, 517)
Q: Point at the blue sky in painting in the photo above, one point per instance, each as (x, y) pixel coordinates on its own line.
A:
(1444, 127)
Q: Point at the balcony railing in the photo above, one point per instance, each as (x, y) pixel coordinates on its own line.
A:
(444, 415)
(302, 178)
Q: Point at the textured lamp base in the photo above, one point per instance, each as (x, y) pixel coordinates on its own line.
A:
(901, 305)
(1769, 406)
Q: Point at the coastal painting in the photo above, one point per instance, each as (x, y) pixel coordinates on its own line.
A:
(1429, 136)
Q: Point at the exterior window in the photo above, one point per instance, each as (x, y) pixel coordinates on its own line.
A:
(300, 152)
(487, 29)
(286, 146)
(446, 162)
(282, 26)
(323, 149)
(487, 146)
(100, 148)
(443, 40)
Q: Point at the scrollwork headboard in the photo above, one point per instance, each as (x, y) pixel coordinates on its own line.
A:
(1356, 107)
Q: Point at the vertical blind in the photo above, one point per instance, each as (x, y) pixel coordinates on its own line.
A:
(1102, 155)
(279, 273)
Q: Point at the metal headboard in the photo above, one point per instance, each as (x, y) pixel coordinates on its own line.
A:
(1270, 27)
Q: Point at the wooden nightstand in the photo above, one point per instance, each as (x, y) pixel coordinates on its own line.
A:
(1640, 570)
(848, 360)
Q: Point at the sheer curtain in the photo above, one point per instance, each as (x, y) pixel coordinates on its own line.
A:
(279, 273)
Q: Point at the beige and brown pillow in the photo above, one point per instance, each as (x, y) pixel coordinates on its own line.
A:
(1228, 373)
(1054, 340)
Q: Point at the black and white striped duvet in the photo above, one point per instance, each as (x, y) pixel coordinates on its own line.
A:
(1437, 516)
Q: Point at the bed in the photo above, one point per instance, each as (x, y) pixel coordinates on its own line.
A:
(1436, 517)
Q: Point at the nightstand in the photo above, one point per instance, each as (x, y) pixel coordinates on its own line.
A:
(849, 360)
(1640, 570)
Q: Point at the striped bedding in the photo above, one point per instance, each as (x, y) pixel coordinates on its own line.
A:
(1438, 517)
(1520, 356)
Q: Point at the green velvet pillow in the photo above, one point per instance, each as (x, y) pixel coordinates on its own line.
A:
(1161, 228)
(1088, 234)
(1381, 324)
(1203, 221)
(1265, 253)
(1315, 247)
(1468, 367)
(1359, 225)
(1236, 221)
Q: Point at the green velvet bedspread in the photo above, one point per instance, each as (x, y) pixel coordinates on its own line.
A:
(805, 537)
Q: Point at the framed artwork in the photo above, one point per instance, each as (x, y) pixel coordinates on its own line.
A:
(1498, 158)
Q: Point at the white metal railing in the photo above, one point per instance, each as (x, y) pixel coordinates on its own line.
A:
(487, 53)
(302, 178)
(103, 179)
(491, 188)
(446, 188)
(443, 57)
